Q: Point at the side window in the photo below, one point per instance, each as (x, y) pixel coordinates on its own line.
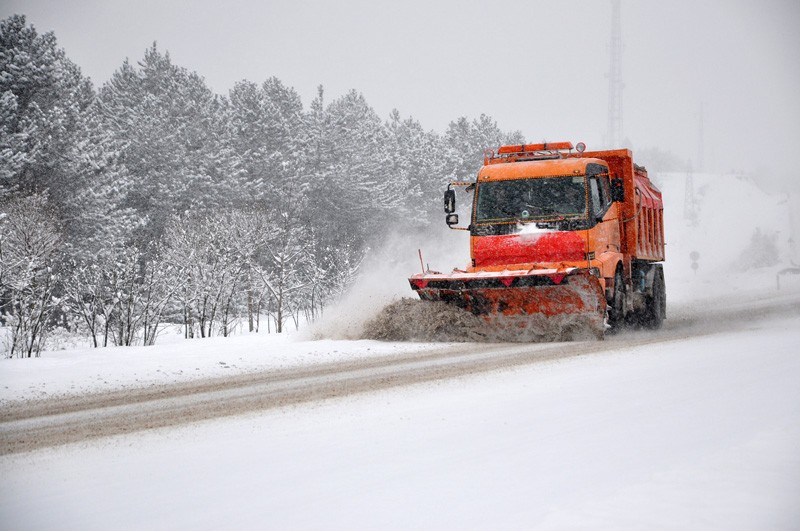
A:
(599, 188)
(598, 206)
(605, 190)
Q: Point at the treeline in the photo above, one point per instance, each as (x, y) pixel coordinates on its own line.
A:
(152, 200)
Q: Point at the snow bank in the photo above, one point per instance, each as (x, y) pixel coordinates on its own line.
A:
(89, 370)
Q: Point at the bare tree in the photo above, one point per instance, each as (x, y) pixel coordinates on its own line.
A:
(286, 268)
(210, 257)
(84, 294)
(28, 245)
(123, 295)
(157, 291)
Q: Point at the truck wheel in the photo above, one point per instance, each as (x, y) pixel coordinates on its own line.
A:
(657, 304)
(616, 306)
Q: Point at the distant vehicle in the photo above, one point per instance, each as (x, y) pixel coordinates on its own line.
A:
(558, 232)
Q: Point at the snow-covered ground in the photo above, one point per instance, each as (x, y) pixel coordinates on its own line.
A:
(692, 433)
(88, 370)
(700, 433)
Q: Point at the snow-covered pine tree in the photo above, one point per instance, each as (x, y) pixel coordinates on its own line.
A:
(267, 137)
(348, 161)
(465, 142)
(97, 218)
(170, 129)
(42, 99)
(418, 167)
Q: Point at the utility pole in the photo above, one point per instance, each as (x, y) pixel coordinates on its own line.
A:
(689, 200)
(614, 133)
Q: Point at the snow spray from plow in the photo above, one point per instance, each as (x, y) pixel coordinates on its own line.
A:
(414, 320)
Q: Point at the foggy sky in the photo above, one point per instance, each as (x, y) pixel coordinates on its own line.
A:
(539, 67)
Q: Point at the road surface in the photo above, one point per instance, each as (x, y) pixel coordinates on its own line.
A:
(31, 425)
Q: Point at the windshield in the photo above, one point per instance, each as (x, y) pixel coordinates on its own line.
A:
(546, 198)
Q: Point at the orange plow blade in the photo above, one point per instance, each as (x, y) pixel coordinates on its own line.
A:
(532, 302)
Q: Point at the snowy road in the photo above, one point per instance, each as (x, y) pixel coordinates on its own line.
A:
(30, 426)
(37, 424)
(695, 427)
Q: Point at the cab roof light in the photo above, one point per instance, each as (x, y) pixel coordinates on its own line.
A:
(527, 148)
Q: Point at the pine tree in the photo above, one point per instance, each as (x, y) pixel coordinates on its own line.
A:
(465, 143)
(97, 217)
(417, 169)
(267, 137)
(42, 99)
(172, 136)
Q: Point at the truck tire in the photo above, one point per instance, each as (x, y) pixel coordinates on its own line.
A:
(656, 309)
(616, 306)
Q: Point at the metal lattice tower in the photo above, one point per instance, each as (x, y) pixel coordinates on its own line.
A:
(614, 133)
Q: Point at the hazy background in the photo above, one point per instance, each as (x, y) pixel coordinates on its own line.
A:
(539, 67)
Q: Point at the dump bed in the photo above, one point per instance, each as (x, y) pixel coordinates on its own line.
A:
(643, 209)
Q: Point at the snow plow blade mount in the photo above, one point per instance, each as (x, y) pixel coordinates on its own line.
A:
(563, 296)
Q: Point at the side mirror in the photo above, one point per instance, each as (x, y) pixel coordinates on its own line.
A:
(449, 202)
(617, 190)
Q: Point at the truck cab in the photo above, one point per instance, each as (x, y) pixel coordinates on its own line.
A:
(545, 214)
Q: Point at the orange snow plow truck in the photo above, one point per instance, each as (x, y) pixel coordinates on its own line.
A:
(558, 236)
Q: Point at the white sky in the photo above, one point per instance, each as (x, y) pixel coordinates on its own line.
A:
(536, 66)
